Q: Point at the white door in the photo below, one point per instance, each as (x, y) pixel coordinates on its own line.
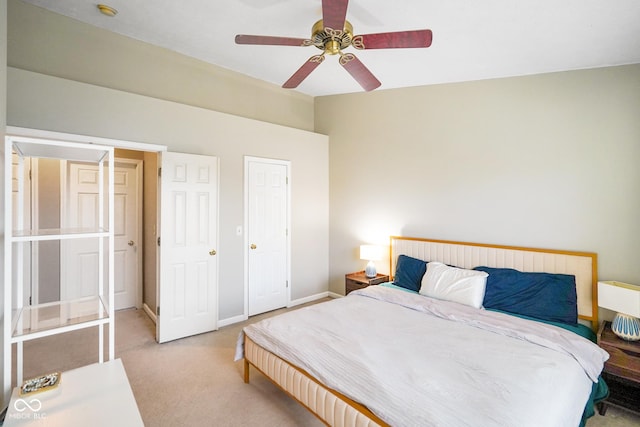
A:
(80, 257)
(127, 235)
(188, 288)
(267, 215)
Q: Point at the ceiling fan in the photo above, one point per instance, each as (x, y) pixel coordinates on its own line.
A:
(331, 35)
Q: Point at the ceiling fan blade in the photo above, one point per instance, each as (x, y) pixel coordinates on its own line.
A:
(400, 39)
(334, 13)
(303, 72)
(270, 40)
(359, 72)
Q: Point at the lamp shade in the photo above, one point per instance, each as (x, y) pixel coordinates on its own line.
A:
(620, 297)
(370, 252)
(625, 300)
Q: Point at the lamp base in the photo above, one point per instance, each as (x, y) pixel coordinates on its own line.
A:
(370, 270)
(626, 327)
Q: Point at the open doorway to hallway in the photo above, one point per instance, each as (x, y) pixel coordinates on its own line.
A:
(62, 196)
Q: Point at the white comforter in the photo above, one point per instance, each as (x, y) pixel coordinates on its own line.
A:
(416, 361)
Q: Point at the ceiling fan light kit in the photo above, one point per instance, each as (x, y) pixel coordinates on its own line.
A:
(331, 41)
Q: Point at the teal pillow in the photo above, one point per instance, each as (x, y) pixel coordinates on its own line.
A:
(409, 272)
(543, 296)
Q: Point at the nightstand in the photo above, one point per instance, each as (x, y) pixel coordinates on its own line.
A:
(358, 280)
(621, 372)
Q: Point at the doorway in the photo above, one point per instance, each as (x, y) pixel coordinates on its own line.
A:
(78, 207)
(135, 257)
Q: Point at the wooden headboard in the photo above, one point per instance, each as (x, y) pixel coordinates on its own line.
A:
(583, 265)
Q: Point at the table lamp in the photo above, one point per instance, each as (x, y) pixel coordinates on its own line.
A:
(370, 253)
(624, 299)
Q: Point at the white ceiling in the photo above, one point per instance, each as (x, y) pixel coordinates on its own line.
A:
(472, 40)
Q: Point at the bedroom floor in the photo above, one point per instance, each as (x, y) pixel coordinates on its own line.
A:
(194, 381)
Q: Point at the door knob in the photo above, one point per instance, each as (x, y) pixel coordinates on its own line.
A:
(130, 243)
(253, 246)
(212, 252)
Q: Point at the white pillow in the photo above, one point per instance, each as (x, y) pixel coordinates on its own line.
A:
(454, 284)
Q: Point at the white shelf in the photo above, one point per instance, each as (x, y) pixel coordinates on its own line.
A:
(27, 147)
(57, 234)
(41, 320)
(37, 321)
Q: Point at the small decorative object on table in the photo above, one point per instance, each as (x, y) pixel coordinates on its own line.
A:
(38, 384)
(624, 299)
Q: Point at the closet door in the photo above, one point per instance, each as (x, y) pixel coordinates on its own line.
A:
(267, 215)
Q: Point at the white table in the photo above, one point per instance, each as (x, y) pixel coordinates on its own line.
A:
(95, 395)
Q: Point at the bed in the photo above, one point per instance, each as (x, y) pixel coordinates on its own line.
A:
(431, 348)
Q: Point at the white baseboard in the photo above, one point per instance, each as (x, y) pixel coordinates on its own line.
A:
(243, 317)
(308, 299)
(232, 320)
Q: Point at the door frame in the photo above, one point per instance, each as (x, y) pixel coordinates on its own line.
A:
(64, 199)
(245, 252)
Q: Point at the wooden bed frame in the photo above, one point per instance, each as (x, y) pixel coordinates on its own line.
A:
(335, 409)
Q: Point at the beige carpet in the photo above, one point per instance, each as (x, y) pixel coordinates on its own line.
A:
(194, 381)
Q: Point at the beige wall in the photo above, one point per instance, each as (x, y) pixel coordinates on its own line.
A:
(544, 161)
(42, 44)
(150, 233)
(48, 43)
(120, 153)
(547, 160)
(48, 194)
(43, 102)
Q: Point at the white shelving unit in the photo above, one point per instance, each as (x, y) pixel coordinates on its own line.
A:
(36, 321)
